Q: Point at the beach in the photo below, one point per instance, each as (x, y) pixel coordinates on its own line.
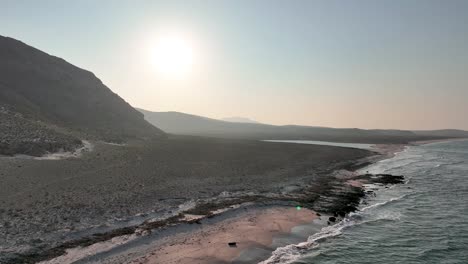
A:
(255, 228)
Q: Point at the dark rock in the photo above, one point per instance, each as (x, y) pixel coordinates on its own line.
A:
(332, 219)
(232, 244)
(384, 179)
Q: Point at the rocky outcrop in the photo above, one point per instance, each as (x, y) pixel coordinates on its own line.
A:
(338, 198)
(23, 136)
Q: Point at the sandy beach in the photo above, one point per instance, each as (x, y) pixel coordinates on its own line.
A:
(251, 229)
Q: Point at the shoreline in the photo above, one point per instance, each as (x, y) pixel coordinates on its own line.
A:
(212, 246)
(253, 230)
(266, 224)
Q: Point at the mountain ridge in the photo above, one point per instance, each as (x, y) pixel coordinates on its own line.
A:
(238, 119)
(188, 124)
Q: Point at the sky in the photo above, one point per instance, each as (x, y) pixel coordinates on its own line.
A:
(366, 64)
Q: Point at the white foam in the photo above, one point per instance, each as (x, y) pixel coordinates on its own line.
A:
(383, 203)
(115, 144)
(291, 253)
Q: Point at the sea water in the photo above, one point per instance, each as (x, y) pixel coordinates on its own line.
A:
(326, 143)
(422, 221)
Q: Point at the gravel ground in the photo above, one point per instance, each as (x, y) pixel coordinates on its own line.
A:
(44, 202)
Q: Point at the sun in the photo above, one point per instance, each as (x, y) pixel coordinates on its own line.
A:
(172, 56)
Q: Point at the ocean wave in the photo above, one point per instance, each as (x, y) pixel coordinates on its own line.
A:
(291, 253)
(383, 203)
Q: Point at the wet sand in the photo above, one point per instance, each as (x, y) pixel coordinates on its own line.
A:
(256, 228)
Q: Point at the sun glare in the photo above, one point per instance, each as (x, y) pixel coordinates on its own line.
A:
(172, 56)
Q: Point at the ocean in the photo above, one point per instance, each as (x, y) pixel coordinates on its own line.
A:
(422, 221)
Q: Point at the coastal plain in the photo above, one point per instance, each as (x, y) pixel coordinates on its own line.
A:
(45, 203)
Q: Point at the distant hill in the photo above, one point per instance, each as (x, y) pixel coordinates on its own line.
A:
(237, 119)
(456, 133)
(44, 88)
(186, 124)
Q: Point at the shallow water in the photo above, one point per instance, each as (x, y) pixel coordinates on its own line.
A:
(422, 221)
(326, 143)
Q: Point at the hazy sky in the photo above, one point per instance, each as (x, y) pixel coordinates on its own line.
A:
(369, 64)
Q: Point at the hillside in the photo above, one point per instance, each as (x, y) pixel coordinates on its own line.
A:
(44, 88)
(186, 124)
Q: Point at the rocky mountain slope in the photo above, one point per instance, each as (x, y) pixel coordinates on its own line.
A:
(46, 89)
(23, 136)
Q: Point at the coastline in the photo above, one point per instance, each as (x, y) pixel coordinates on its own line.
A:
(222, 222)
(259, 231)
(254, 232)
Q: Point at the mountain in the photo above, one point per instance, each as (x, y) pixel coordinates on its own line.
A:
(237, 119)
(40, 88)
(186, 124)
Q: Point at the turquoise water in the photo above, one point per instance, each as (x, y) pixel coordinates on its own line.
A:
(423, 221)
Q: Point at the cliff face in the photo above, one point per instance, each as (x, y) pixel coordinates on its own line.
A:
(46, 88)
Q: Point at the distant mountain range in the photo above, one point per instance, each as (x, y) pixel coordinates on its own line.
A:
(237, 119)
(42, 89)
(187, 124)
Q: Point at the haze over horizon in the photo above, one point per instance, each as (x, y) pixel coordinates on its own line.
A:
(376, 64)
